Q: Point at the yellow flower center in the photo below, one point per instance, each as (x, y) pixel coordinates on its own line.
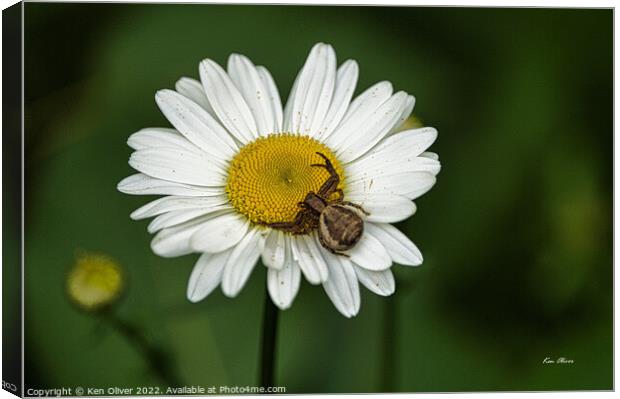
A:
(269, 176)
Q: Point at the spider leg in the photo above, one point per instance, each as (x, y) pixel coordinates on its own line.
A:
(331, 184)
(340, 194)
(327, 165)
(289, 227)
(356, 206)
(297, 226)
(329, 187)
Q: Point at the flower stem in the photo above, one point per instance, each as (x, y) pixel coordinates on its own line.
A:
(269, 345)
(158, 360)
(390, 352)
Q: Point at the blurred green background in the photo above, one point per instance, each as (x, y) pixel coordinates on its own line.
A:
(517, 233)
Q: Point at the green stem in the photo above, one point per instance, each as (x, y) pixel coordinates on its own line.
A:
(390, 352)
(158, 360)
(269, 344)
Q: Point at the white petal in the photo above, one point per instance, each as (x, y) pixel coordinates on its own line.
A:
(176, 203)
(220, 233)
(399, 153)
(274, 96)
(193, 122)
(174, 241)
(361, 108)
(409, 184)
(312, 93)
(346, 80)
(370, 254)
(433, 157)
(384, 208)
(419, 185)
(141, 184)
(319, 95)
(400, 248)
(309, 257)
(430, 155)
(155, 137)
(227, 102)
(179, 166)
(207, 275)
(424, 164)
(244, 75)
(192, 89)
(381, 283)
(369, 99)
(314, 246)
(283, 284)
(377, 166)
(398, 147)
(342, 287)
(241, 263)
(374, 127)
(405, 114)
(274, 253)
(174, 218)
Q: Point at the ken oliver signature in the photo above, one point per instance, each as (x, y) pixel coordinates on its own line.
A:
(559, 360)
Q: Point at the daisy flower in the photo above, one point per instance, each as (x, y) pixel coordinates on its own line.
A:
(236, 164)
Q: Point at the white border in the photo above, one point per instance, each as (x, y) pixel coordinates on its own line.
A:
(454, 3)
(436, 3)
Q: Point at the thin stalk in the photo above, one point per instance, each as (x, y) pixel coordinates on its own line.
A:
(269, 344)
(158, 360)
(390, 352)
